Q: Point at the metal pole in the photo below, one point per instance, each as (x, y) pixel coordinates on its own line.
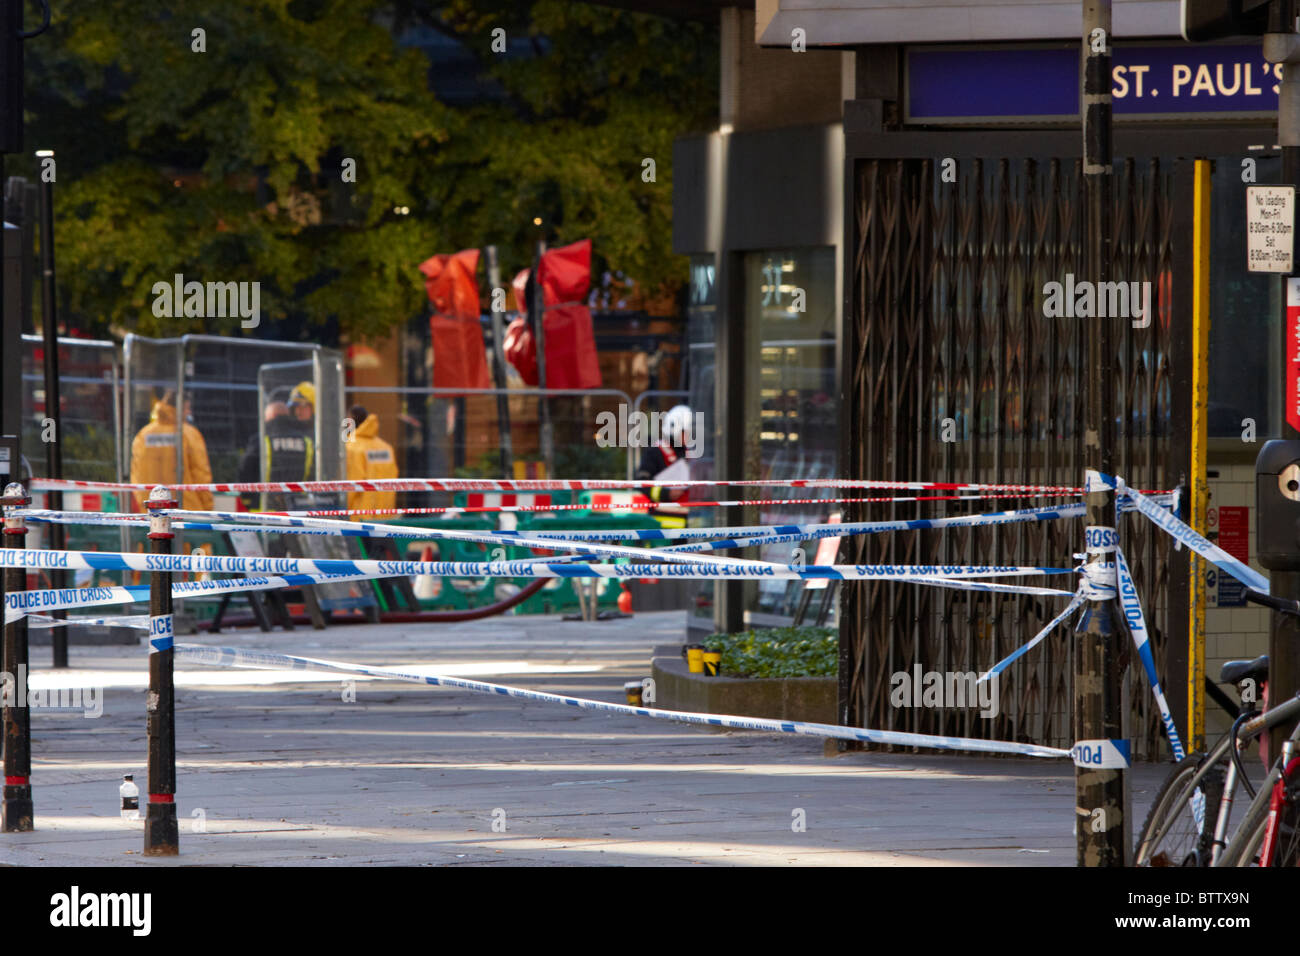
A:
(537, 306)
(17, 809)
(1281, 45)
(53, 404)
(161, 832)
(1100, 791)
(499, 364)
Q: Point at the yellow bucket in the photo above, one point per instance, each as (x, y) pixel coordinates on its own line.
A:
(633, 690)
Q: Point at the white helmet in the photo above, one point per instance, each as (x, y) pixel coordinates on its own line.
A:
(675, 426)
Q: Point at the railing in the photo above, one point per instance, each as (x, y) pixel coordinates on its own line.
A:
(544, 393)
(679, 393)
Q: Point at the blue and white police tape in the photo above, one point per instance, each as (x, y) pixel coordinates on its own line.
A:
(1025, 648)
(826, 530)
(244, 521)
(810, 531)
(516, 538)
(739, 536)
(1137, 625)
(782, 534)
(792, 533)
(1102, 754)
(230, 656)
(19, 603)
(138, 622)
(1196, 542)
(162, 632)
(942, 576)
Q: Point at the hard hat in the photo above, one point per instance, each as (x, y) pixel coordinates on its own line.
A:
(304, 393)
(676, 424)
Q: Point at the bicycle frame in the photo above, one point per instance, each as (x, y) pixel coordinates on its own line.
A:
(1248, 730)
(1263, 800)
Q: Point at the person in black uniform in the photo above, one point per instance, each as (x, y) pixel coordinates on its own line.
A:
(285, 453)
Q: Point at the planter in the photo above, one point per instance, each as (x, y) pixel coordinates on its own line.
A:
(779, 698)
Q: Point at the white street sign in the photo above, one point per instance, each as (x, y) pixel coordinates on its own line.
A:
(1270, 228)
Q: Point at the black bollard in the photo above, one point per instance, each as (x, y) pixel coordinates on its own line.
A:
(17, 814)
(161, 832)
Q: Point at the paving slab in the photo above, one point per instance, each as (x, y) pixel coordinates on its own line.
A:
(278, 768)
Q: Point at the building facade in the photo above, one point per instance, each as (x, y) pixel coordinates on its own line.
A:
(873, 231)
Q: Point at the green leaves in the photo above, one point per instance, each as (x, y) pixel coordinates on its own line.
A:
(778, 652)
(226, 164)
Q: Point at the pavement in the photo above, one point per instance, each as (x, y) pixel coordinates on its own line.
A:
(279, 768)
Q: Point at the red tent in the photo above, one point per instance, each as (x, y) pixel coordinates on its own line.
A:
(459, 359)
(571, 360)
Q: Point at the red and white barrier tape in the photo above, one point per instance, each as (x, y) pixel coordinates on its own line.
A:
(541, 484)
(646, 505)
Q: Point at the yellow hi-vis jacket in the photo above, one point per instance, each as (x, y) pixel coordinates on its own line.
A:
(153, 459)
(369, 456)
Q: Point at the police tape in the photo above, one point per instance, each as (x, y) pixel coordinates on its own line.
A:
(1023, 649)
(528, 539)
(939, 575)
(780, 534)
(751, 535)
(261, 522)
(745, 536)
(1195, 541)
(162, 632)
(538, 484)
(648, 505)
(1132, 608)
(244, 522)
(20, 603)
(138, 622)
(230, 656)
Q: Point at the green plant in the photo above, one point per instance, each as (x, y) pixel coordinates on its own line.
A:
(586, 461)
(778, 652)
(487, 465)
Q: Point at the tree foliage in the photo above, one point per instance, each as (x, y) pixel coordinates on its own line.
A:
(227, 164)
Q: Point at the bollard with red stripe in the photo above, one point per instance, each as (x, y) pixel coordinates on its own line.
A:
(161, 831)
(17, 811)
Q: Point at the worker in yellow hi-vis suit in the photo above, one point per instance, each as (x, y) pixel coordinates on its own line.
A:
(153, 456)
(369, 457)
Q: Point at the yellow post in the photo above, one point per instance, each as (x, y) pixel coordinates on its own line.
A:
(1199, 489)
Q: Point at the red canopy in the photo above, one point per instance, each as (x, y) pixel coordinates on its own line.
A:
(571, 359)
(459, 359)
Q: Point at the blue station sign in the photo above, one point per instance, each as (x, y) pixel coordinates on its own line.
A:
(1006, 84)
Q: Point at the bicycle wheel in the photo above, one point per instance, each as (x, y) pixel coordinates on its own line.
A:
(1184, 843)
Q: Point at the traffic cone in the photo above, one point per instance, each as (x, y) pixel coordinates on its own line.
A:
(426, 585)
(625, 601)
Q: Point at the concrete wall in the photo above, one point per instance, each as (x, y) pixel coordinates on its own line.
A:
(769, 88)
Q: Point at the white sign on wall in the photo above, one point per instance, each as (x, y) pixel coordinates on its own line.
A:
(1270, 228)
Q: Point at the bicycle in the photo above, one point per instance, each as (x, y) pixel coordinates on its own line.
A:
(1188, 823)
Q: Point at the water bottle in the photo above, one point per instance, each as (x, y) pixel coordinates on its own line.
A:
(130, 794)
